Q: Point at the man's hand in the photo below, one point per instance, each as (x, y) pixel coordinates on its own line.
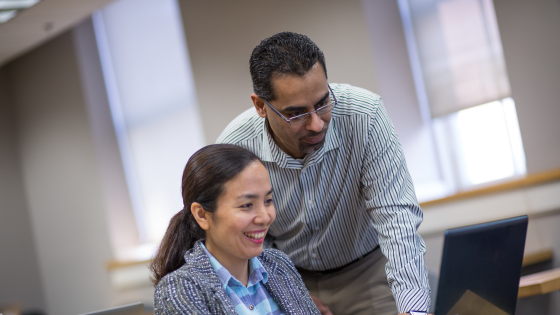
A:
(323, 308)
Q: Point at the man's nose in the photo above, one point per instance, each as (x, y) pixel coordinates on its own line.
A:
(314, 123)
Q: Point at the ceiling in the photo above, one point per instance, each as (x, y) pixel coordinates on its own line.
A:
(42, 22)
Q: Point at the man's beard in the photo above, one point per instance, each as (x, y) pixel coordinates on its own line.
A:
(308, 147)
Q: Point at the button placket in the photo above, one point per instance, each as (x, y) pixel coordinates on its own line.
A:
(309, 203)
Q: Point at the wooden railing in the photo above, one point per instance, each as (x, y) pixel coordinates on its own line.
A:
(539, 283)
(542, 282)
(118, 264)
(527, 181)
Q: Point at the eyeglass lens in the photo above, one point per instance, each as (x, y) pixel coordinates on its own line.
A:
(298, 120)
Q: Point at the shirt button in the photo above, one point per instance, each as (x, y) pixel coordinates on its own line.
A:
(310, 202)
(313, 255)
(251, 307)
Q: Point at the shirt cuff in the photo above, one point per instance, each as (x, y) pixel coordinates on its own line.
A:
(413, 300)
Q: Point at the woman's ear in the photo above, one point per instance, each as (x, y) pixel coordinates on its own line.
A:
(200, 215)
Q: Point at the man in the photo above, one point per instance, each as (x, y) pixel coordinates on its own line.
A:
(342, 192)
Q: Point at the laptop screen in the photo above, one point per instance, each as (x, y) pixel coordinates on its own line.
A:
(481, 267)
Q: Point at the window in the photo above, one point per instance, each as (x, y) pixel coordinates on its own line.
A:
(461, 79)
(485, 140)
(153, 103)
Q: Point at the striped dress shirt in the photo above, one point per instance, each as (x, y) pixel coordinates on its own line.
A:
(250, 300)
(344, 199)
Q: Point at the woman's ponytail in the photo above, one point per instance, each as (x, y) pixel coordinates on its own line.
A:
(182, 233)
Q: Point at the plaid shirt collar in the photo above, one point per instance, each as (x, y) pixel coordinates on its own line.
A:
(257, 273)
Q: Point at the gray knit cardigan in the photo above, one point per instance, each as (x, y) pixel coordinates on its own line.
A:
(196, 289)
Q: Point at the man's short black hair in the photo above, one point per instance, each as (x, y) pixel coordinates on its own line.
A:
(282, 53)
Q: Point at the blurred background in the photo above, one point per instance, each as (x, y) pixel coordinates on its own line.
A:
(103, 102)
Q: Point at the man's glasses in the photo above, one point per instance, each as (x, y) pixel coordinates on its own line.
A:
(304, 117)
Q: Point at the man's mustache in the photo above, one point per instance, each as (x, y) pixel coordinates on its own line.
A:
(313, 134)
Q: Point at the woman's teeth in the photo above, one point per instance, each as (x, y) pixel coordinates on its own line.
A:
(255, 235)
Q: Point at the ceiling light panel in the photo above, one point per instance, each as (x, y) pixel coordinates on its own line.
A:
(5, 16)
(10, 8)
(16, 4)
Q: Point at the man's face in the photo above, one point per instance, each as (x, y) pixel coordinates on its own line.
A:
(295, 95)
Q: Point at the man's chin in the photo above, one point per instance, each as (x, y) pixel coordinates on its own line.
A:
(309, 148)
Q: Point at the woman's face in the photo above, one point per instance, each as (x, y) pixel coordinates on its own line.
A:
(245, 211)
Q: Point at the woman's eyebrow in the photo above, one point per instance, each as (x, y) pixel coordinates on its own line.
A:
(247, 196)
(253, 196)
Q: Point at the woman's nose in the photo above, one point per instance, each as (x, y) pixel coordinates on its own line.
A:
(263, 216)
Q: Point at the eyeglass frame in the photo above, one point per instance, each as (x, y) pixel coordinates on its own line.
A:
(308, 114)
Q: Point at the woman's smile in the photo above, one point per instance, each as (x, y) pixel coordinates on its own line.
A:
(256, 237)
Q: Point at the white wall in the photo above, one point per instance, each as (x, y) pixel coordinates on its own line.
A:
(221, 35)
(530, 32)
(61, 178)
(19, 268)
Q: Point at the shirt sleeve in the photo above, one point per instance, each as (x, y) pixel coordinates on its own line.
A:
(396, 215)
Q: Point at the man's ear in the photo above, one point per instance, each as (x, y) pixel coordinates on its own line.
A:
(200, 215)
(259, 105)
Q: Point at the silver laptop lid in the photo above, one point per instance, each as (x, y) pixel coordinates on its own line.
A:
(130, 309)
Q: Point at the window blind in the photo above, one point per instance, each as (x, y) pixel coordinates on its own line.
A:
(460, 53)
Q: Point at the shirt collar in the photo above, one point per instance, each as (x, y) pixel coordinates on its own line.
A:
(257, 273)
(272, 153)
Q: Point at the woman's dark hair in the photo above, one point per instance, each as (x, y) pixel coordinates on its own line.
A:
(282, 53)
(203, 181)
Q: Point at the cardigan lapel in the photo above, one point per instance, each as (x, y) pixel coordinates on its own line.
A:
(274, 288)
(199, 264)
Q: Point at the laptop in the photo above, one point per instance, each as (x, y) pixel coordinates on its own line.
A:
(130, 309)
(481, 267)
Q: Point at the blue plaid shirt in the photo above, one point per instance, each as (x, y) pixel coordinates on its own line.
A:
(250, 300)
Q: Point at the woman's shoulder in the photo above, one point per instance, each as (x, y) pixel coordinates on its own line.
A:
(196, 272)
(182, 277)
(186, 292)
(275, 254)
(274, 258)
(192, 287)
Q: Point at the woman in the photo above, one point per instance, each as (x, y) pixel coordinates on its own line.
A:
(211, 259)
